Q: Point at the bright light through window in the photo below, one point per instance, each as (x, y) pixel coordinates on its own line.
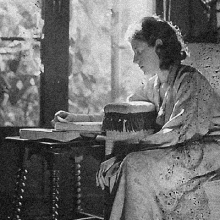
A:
(98, 52)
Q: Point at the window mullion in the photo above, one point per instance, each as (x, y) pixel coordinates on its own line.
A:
(55, 49)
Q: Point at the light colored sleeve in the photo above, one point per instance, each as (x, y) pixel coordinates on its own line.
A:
(191, 114)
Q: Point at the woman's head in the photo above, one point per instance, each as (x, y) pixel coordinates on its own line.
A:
(161, 35)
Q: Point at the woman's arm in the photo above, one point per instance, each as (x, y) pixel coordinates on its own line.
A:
(63, 116)
(88, 117)
(191, 115)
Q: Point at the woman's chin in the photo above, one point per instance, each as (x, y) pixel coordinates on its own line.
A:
(145, 72)
(142, 69)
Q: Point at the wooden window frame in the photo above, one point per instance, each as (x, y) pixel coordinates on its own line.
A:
(55, 58)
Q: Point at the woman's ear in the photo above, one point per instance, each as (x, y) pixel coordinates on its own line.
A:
(158, 42)
(157, 46)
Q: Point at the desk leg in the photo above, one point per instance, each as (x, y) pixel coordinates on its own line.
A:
(76, 173)
(20, 185)
(78, 189)
(53, 160)
(54, 193)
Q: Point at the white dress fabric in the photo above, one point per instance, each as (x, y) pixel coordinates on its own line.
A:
(181, 179)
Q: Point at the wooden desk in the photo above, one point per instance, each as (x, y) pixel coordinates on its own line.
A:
(51, 151)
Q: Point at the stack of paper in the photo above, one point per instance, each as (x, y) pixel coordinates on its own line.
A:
(63, 131)
(79, 126)
(43, 133)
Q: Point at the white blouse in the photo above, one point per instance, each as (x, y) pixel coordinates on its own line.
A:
(190, 108)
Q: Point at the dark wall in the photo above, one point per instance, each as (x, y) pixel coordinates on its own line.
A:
(193, 20)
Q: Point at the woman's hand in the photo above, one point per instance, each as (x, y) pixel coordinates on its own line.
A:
(63, 116)
(104, 167)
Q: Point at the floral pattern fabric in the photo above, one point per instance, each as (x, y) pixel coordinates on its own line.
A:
(181, 180)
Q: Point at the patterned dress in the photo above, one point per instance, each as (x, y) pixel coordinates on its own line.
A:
(181, 179)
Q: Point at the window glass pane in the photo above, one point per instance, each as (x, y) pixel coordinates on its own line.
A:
(96, 28)
(89, 80)
(20, 66)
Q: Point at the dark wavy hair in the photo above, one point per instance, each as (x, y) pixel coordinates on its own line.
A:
(149, 29)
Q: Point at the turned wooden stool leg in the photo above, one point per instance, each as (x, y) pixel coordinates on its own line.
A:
(54, 193)
(76, 190)
(53, 160)
(19, 191)
(21, 178)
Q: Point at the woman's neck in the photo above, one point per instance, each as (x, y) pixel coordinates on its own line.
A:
(163, 76)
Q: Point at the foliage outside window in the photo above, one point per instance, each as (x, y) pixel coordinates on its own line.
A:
(20, 66)
(90, 57)
(90, 53)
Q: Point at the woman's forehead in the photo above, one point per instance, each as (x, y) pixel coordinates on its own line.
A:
(138, 44)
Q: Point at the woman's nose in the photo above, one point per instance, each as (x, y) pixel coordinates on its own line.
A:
(135, 59)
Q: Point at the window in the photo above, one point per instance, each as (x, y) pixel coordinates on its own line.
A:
(20, 64)
(101, 68)
(66, 55)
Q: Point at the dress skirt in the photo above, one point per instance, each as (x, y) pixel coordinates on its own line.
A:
(178, 183)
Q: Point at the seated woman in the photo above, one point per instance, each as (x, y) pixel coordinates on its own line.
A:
(179, 177)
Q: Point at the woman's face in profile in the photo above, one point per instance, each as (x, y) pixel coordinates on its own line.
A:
(145, 57)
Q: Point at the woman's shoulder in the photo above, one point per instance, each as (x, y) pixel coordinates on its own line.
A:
(186, 72)
(188, 75)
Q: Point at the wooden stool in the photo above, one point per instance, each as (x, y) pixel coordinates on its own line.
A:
(51, 152)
